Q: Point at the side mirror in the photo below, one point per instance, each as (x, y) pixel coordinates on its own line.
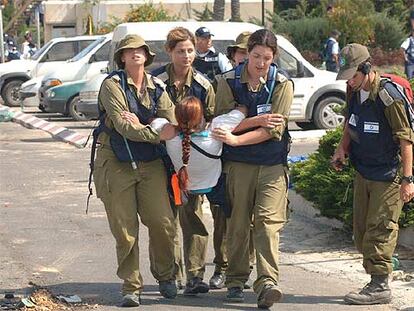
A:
(300, 69)
(92, 59)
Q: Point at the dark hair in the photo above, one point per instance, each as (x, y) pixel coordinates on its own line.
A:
(189, 115)
(263, 37)
(177, 35)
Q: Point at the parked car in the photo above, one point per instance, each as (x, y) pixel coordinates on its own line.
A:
(64, 99)
(318, 97)
(88, 97)
(50, 56)
(83, 66)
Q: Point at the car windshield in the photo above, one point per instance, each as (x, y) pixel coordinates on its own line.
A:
(39, 52)
(86, 50)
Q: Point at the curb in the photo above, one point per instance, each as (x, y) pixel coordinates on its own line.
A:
(58, 132)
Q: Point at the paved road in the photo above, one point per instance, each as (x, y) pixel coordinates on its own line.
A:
(46, 238)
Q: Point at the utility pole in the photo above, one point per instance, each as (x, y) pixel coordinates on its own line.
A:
(1, 34)
(37, 14)
(263, 13)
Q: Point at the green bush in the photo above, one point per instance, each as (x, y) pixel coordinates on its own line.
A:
(330, 191)
(388, 32)
(148, 12)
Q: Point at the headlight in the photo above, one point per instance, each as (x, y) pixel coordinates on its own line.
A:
(53, 82)
(87, 96)
(50, 93)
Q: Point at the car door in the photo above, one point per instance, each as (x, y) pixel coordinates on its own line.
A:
(304, 83)
(58, 53)
(99, 60)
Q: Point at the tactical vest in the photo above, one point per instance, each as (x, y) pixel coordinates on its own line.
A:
(410, 51)
(328, 50)
(208, 65)
(196, 89)
(140, 151)
(374, 153)
(270, 152)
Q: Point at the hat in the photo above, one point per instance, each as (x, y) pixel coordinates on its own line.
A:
(241, 42)
(203, 32)
(132, 42)
(350, 57)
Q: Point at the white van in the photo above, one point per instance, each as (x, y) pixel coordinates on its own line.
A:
(50, 56)
(318, 97)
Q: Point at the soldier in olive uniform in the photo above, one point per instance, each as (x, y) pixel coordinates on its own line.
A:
(257, 177)
(378, 139)
(182, 80)
(237, 53)
(129, 170)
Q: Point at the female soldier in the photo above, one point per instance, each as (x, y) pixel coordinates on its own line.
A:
(128, 168)
(257, 173)
(182, 80)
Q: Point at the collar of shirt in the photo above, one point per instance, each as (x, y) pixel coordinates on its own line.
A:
(211, 49)
(333, 39)
(244, 78)
(171, 76)
(148, 83)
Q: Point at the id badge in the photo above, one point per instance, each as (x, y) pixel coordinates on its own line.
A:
(262, 109)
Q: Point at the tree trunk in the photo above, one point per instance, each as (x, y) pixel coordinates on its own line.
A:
(235, 11)
(218, 10)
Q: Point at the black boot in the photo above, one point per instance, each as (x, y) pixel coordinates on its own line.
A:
(375, 292)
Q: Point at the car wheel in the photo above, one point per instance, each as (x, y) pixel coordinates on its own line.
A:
(10, 93)
(306, 125)
(73, 111)
(328, 113)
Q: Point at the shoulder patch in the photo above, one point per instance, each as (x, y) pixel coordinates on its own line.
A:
(116, 78)
(281, 78)
(202, 80)
(163, 76)
(229, 74)
(386, 98)
(158, 82)
(389, 93)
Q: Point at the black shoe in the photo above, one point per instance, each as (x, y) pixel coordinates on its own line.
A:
(217, 281)
(130, 300)
(235, 294)
(375, 292)
(195, 286)
(168, 289)
(270, 294)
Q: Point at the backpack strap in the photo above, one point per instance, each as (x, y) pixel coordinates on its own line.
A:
(203, 152)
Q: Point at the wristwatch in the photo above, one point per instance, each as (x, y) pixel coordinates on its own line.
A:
(408, 179)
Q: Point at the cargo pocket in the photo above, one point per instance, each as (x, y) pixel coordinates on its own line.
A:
(100, 178)
(389, 231)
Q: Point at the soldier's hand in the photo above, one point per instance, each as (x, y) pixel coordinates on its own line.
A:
(406, 191)
(225, 136)
(130, 117)
(270, 120)
(338, 159)
(168, 132)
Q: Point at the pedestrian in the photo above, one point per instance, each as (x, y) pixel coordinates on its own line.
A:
(331, 51)
(208, 61)
(237, 53)
(28, 47)
(257, 180)
(378, 139)
(408, 49)
(183, 80)
(129, 175)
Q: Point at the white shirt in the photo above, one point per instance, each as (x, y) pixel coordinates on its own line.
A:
(405, 44)
(363, 95)
(335, 46)
(223, 61)
(203, 172)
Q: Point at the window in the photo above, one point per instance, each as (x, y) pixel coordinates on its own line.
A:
(84, 44)
(288, 63)
(61, 51)
(103, 53)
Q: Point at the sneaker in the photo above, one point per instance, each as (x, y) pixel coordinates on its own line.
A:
(168, 289)
(235, 294)
(195, 286)
(130, 300)
(270, 294)
(217, 280)
(375, 292)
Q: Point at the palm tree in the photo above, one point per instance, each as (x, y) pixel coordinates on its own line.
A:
(235, 11)
(218, 10)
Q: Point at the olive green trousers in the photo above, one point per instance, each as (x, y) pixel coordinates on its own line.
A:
(377, 207)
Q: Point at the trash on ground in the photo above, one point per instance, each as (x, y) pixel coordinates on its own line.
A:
(70, 299)
(5, 115)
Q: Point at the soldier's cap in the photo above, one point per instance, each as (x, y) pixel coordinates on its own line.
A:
(132, 42)
(203, 32)
(241, 42)
(350, 57)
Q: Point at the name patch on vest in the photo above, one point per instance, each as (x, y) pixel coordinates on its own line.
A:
(371, 127)
(262, 109)
(211, 59)
(352, 120)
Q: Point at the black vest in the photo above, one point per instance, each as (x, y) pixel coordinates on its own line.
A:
(140, 151)
(208, 65)
(270, 152)
(373, 152)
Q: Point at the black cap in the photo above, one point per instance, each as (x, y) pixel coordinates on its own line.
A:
(203, 32)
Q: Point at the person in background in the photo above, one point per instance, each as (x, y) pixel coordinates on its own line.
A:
(237, 53)
(28, 47)
(331, 51)
(407, 48)
(208, 61)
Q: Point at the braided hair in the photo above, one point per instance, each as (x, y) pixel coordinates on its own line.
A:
(189, 115)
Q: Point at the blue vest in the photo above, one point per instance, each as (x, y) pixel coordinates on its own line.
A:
(373, 151)
(328, 50)
(410, 51)
(270, 152)
(141, 151)
(208, 65)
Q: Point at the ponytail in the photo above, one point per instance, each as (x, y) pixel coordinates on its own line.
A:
(185, 147)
